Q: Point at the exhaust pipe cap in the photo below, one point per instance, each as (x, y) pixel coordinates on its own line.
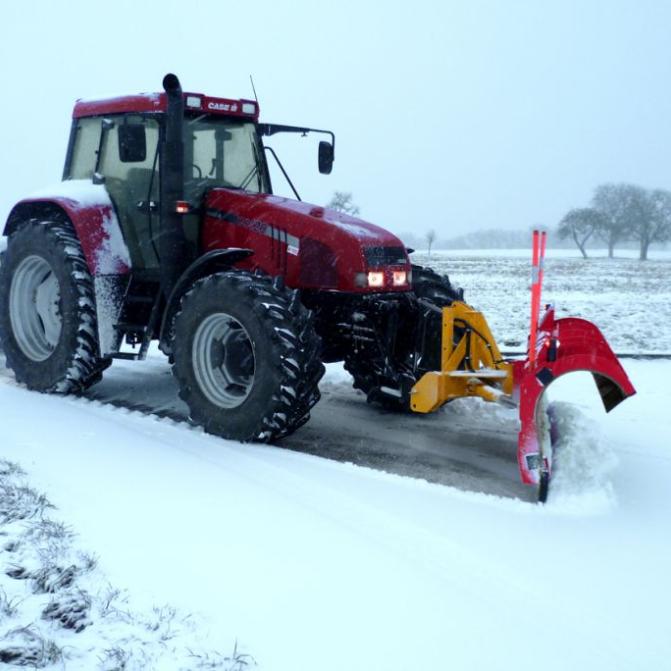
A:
(171, 84)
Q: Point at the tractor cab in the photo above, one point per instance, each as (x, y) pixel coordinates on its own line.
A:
(158, 154)
(119, 143)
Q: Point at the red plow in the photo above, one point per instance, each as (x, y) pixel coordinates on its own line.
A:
(472, 365)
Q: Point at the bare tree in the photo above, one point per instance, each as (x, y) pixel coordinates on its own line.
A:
(581, 224)
(342, 202)
(621, 206)
(654, 224)
(430, 239)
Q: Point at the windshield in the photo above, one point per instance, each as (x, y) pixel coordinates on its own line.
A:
(219, 151)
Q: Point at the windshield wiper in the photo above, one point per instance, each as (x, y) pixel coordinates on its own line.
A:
(255, 169)
(284, 172)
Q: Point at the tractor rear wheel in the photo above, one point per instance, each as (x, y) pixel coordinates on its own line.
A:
(246, 357)
(47, 309)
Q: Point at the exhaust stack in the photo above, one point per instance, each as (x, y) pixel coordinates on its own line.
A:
(172, 246)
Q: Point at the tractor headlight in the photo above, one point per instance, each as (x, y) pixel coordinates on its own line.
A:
(375, 278)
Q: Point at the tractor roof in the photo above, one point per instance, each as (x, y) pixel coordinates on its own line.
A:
(158, 102)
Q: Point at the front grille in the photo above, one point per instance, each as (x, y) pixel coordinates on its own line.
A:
(385, 256)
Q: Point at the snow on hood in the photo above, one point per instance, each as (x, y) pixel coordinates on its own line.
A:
(358, 228)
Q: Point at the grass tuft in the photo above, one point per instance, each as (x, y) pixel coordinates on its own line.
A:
(236, 661)
(8, 607)
(25, 646)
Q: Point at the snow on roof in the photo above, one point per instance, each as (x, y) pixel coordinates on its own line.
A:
(154, 97)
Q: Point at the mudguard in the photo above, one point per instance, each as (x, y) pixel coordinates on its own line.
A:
(562, 346)
(89, 208)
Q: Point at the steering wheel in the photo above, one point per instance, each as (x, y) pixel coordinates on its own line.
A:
(200, 172)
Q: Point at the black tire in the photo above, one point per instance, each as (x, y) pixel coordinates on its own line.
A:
(427, 285)
(262, 399)
(543, 487)
(70, 362)
(438, 289)
(366, 378)
(2, 258)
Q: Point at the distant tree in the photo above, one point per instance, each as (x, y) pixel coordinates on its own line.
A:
(580, 225)
(430, 239)
(622, 206)
(654, 222)
(342, 201)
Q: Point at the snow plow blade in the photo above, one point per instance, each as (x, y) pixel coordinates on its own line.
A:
(471, 365)
(562, 346)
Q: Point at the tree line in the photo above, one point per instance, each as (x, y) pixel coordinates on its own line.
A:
(619, 212)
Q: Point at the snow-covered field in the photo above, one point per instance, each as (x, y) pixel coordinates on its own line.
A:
(629, 300)
(304, 562)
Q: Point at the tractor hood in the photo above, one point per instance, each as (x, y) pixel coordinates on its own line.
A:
(324, 249)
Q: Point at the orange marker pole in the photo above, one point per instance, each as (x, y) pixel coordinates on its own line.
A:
(541, 267)
(535, 296)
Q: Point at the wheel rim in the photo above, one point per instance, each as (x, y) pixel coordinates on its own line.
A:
(34, 308)
(223, 360)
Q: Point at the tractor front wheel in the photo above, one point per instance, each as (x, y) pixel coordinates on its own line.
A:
(246, 357)
(429, 285)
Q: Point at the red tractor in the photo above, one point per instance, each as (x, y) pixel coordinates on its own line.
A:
(165, 227)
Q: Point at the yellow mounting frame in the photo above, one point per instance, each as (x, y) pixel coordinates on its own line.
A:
(470, 367)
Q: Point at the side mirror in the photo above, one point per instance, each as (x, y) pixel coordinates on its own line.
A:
(132, 143)
(325, 157)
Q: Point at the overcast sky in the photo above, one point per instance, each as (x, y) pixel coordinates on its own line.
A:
(448, 115)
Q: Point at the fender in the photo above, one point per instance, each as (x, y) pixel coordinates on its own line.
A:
(212, 262)
(92, 214)
(89, 208)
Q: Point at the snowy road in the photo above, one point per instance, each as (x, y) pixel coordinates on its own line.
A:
(460, 446)
(311, 563)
